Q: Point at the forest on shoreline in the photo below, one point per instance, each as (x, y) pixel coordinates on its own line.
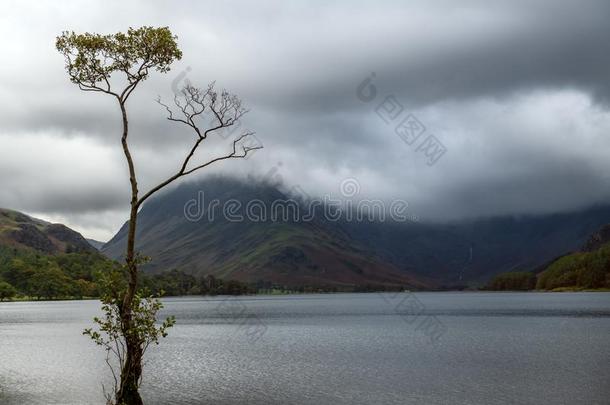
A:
(579, 271)
(28, 275)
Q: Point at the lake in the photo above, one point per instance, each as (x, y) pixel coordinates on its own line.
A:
(423, 348)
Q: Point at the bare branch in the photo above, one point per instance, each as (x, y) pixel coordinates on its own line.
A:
(183, 170)
(232, 155)
(191, 103)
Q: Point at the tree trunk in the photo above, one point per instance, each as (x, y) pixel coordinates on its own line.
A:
(131, 372)
(130, 376)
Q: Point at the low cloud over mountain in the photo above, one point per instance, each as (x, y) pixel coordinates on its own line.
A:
(516, 92)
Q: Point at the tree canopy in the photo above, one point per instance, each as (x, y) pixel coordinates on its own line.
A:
(91, 59)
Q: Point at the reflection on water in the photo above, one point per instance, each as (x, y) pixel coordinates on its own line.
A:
(496, 348)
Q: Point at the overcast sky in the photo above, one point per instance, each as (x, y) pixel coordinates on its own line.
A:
(517, 92)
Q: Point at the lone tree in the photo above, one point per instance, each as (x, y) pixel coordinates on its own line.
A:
(92, 60)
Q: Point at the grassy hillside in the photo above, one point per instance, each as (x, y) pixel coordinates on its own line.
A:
(581, 270)
(585, 270)
(43, 260)
(513, 281)
(39, 275)
(23, 232)
(39, 260)
(344, 253)
(292, 254)
(29, 275)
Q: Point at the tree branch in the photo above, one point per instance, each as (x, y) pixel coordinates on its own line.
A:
(183, 171)
(191, 103)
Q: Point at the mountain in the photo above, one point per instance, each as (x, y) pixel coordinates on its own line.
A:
(289, 253)
(588, 268)
(22, 232)
(43, 260)
(95, 243)
(598, 239)
(472, 252)
(342, 252)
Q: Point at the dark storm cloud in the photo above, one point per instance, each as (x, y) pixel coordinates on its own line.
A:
(517, 91)
(473, 50)
(568, 185)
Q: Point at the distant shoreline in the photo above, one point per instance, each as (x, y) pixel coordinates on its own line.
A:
(557, 290)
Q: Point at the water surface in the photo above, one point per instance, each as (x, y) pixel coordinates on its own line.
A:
(424, 348)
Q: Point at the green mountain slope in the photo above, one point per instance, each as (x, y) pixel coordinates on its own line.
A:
(23, 232)
(287, 253)
(587, 269)
(43, 260)
(341, 252)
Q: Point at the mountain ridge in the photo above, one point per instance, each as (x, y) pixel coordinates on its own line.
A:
(288, 253)
(344, 252)
(23, 232)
